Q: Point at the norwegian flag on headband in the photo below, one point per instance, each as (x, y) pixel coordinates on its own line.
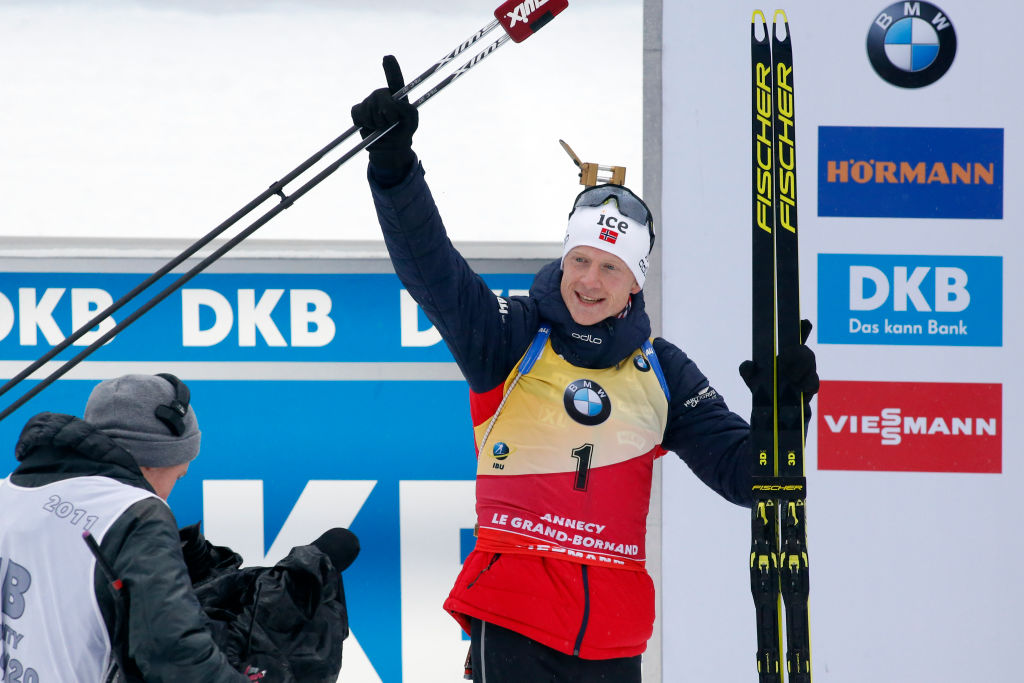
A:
(609, 235)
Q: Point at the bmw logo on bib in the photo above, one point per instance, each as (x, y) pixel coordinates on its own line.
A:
(586, 402)
(641, 363)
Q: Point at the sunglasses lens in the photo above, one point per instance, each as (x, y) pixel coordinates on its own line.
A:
(629, 204)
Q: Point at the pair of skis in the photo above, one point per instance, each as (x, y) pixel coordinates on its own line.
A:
(520, 19)
(778, 554)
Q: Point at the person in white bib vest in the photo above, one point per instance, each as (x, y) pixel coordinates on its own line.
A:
(124, 609)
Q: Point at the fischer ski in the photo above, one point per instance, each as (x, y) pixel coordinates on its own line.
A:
(793, 563)
(764, 548)
(778, 555)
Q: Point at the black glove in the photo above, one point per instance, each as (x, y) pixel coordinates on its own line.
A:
(196, 551)
(796, 365)
(392, 153)
(341, 545)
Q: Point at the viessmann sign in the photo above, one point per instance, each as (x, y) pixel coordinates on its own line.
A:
(910, 426)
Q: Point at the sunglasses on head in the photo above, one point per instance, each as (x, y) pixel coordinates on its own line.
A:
(629, 204)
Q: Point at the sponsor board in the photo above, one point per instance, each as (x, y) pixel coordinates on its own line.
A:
(892, 172)
(910, 426)
(910, 300)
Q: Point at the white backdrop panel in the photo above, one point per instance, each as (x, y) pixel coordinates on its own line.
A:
(913, 574)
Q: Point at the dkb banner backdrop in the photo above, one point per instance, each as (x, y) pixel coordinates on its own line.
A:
(909, 200)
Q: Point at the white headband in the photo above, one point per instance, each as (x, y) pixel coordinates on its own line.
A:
(604, 228)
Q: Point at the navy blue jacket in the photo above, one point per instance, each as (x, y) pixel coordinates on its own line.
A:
(487, 335)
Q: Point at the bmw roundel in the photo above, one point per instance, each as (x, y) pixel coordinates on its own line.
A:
(586, 402)
(911, 44)
(641, 363)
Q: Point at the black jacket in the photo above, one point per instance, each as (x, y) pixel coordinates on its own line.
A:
(487, 335)
(289, 619)
(157, 628)
(195, 616)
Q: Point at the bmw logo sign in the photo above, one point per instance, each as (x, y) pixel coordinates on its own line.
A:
(586, 402)
(500, 450)
(641, 363)
(911, 44)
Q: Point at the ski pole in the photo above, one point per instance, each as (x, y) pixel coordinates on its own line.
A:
(515, 16)
(274, 189)
(101, 561)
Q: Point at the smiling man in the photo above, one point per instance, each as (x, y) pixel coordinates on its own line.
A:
(604, 253)
(595, 284)
(572, 402)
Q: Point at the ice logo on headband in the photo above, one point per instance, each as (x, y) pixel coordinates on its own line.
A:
(612, 222)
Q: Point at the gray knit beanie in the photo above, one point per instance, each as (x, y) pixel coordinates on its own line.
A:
(124, 408)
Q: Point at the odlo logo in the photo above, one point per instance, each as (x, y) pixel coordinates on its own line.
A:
(587, 338)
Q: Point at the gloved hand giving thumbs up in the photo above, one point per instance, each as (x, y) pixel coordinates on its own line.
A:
(392, 155)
